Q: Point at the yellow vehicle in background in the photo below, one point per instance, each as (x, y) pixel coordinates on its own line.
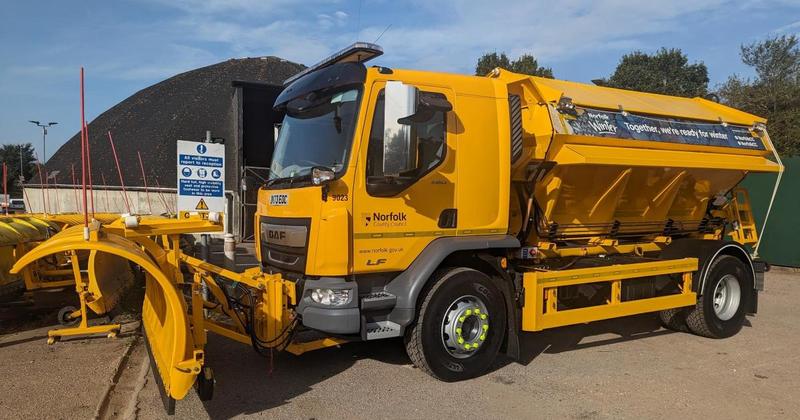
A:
(456, 211)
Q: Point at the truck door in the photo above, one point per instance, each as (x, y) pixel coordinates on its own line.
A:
(394, 218)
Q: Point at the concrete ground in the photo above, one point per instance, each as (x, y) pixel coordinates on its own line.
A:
(626, 368)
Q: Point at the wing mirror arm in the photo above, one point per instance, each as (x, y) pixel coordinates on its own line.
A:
(322, 176)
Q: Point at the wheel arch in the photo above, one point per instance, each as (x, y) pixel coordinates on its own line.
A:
(410, 284)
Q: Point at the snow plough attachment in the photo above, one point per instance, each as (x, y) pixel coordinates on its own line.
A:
(99, 279)
(251, 307)
(18, 235)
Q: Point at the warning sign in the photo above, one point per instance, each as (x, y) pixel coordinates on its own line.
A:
(201, 177)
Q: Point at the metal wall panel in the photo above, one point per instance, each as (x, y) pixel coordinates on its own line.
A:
(779, 245)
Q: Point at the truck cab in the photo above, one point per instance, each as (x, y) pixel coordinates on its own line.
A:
(367, 172)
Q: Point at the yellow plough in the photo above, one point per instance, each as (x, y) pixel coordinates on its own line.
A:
(20, 234)
(251, 307)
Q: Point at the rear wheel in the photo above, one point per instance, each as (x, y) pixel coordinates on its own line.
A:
(460, 326)
(674, 319)
(720, 311)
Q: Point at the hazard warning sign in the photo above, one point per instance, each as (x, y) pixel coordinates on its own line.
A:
(201, 178)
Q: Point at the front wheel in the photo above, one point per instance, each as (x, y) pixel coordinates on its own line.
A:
(460, 327)
(721, 310)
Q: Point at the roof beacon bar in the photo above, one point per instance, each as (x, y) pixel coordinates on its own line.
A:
(358, 52)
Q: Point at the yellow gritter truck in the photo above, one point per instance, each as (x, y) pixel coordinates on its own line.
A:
(456, 211)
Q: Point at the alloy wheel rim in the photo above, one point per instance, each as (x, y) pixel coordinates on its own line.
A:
(727, 297)
(465, 326)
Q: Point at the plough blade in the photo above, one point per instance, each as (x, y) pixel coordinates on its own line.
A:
(164, 314)
(109, 277)
(17, 230)
(18, 234)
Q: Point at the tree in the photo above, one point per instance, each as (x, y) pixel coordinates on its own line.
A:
(10, 155)
(490, 61)
(527, 64)
(775, 91)
(524, 64)
(667, 72)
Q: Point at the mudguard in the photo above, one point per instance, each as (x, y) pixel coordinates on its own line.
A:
(164, 314)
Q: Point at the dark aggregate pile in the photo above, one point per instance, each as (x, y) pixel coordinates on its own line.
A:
(150, 121)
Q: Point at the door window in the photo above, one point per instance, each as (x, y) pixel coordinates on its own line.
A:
(428, 135)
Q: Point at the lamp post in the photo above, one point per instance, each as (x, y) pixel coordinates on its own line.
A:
(21, 173)
(44, 137)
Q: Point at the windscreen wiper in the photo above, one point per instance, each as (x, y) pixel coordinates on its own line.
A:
(274, 181)
(290, 179)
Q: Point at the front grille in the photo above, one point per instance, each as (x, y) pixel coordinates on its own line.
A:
(292, 251)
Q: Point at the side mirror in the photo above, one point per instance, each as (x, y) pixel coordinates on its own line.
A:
(399, 154)
(276, 131)
(321, 175)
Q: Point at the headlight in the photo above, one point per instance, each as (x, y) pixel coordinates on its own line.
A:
(332, 297)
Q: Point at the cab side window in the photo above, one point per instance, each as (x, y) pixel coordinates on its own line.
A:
(428, 134)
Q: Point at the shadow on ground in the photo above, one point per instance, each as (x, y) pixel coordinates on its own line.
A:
(248, 383)
(30, 311)
(583, 336)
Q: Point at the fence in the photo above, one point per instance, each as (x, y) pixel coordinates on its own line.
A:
(779, 242)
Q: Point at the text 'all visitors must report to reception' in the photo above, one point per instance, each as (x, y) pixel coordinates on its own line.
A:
(201, 177)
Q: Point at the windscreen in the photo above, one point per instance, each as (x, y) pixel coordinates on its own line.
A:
(317, 131)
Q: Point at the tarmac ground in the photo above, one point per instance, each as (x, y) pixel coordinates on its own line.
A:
(624, 368)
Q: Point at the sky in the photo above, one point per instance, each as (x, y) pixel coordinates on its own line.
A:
(127, 45)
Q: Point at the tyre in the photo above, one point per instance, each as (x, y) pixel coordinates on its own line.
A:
(460, 326)
(205, 384)
(65, 316)
(674, 319)
(726, 294)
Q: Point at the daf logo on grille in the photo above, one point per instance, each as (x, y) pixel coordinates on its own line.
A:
(277, 234)
(285, 235)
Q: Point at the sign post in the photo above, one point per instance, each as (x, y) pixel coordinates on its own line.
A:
(201, 178)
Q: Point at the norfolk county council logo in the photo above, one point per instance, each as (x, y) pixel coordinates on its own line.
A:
(384, 219)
